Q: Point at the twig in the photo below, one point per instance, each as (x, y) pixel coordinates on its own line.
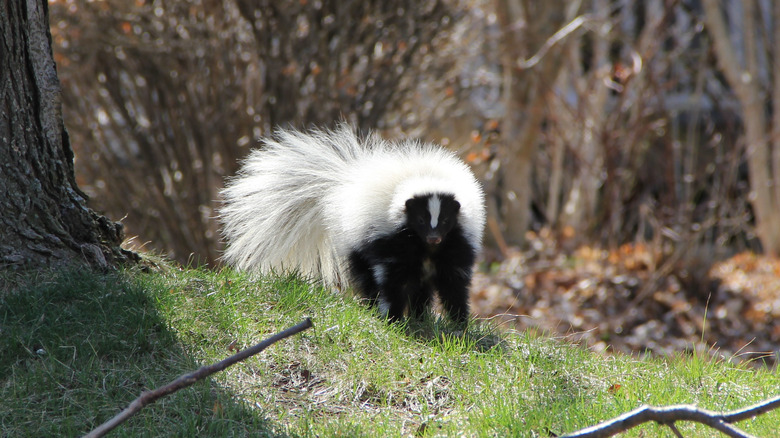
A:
(557, 37)
(752, 411)
(669, 414)
(186, 380)
(675, 430)
(498, 236)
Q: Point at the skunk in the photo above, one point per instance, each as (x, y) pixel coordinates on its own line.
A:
(394, 220)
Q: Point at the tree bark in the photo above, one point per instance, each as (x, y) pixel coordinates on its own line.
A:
(745, 81)
(582, 199)
(531, 64)
(44, 220)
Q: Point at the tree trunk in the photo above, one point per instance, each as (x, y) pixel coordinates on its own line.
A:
(763, 162)
(44, 220)
(582, 199)
(527, 35)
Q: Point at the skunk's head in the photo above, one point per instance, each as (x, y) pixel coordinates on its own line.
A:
(432, 216)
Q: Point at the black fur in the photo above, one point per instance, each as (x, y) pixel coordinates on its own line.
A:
(404, 269)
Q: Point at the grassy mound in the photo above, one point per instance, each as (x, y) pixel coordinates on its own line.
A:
(75, 348)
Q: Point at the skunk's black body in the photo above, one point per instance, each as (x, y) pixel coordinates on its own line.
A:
(403, 269)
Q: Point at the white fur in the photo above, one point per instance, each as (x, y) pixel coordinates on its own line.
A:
(304, 201)
(380, 273)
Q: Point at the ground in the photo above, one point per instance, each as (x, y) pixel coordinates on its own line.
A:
(636, 300)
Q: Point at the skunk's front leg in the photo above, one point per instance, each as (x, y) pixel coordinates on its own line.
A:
(452, 283)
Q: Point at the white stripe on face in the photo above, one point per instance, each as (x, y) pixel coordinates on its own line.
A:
(434, 207)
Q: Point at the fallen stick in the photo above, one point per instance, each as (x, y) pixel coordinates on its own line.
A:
(668, 415)
(186, 380)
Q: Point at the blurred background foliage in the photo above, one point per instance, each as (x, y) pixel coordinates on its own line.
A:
(602, 122)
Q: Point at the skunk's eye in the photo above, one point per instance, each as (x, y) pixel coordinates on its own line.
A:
(421, 221)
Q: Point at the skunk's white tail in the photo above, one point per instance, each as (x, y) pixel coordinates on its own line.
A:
(274, 209)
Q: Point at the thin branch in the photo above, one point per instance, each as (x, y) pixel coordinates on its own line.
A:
(668, 415)
(752, 411)
(148, 397)
(495, 229)
(675, 430)
(552, 41)
(726, 52)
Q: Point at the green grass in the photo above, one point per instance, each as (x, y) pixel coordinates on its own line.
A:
(75, 348)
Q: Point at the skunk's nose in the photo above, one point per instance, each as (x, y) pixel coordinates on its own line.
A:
(434, 240)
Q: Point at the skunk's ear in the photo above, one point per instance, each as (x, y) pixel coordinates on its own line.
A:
(456, 204)
(408, 205)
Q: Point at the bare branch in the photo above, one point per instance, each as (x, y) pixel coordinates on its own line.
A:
(675, 430)
(752, 411)
(148, 397)
(743, 83)
(668, 415)
(553, 40)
